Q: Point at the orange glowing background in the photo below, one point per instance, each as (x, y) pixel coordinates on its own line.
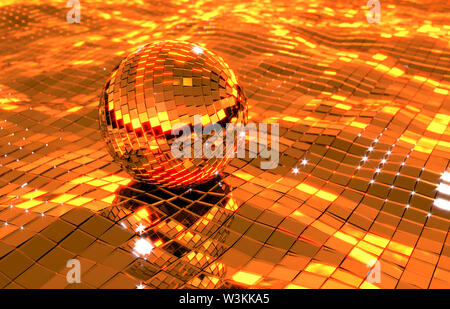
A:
(363, 178)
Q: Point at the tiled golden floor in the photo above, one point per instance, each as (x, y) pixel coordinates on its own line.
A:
(364, 112)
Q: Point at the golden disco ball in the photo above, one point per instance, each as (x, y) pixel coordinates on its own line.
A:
(161, 86)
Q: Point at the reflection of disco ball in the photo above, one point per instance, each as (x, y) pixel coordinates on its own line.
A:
(159, 87)
(185, 231)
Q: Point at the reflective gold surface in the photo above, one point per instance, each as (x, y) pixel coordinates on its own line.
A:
(364, 112)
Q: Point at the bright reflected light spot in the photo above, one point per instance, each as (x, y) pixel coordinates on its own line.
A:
(140, 228)
(441, 203)
(320, 269)
(143, 247)
(197, 50)
(446, 176)
(246, 278)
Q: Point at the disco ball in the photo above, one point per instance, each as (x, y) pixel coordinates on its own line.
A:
(161, 86)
